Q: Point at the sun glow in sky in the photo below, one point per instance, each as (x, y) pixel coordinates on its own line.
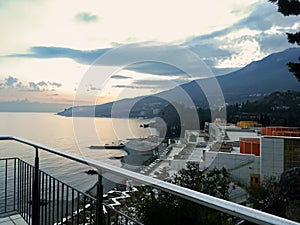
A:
(47, 46)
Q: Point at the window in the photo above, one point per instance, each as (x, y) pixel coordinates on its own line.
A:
(291, 153)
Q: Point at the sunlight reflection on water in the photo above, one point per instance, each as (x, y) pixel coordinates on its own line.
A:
(57, 132)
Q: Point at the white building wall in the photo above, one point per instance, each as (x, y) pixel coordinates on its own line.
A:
(243, 173)
(192, 136)
(240, 166)
(272, 156)
(216, 132)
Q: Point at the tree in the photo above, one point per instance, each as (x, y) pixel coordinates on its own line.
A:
(290, 187)
(267, 197)
(288, 8)
(152, 206)
(279, 196)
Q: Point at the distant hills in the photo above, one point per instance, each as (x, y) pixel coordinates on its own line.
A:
(258, 79)
(27, 106)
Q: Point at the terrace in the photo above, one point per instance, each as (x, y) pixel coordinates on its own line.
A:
(39, 198)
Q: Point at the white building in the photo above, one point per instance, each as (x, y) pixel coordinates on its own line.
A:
(194, 137)
(278, 154)
(242, 167)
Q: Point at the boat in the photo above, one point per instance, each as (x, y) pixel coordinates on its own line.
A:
(116, 157)
(114, 146)
(96, 147)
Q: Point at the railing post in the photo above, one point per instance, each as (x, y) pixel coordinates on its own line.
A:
(99, 208)
(36, 191)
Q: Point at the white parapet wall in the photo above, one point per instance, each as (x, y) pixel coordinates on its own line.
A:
(240, 166)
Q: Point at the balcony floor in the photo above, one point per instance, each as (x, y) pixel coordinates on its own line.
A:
(12, 220)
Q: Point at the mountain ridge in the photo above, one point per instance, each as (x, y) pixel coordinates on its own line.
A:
(257, 79)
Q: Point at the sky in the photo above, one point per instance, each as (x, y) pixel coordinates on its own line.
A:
(49, 46)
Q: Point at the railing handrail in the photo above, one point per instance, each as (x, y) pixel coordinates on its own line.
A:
(67, 185)
(224, 206)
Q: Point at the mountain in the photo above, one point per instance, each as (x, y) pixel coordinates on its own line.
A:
(258, 79)
(262, 77)
(27, 106)
(146, 107)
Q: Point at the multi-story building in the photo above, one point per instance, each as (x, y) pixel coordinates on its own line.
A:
(278, 154)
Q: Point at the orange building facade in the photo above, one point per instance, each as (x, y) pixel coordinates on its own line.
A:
(250, 146)
(280, 131)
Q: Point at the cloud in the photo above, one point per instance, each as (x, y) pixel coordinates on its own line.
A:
(86, 17)
(89, 57)
(80, 56)
(91, 87)
(155, 68)
(252, 38)
(154, 84)
(14, 83)
(132, 86)
(120, 77)
(224, 50)
(33, 87)
(10, 81)
(54, 84)
(163, 84)
(265, 17)
(42, 84)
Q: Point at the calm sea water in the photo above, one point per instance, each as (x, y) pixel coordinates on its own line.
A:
(69, 135)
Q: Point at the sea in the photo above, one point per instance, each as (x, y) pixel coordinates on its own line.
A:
(74, 135)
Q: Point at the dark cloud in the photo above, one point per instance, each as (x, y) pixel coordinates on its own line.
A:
(86, 17)
(263, 20)
(265, 17)
(212, 48)
(270, 43)
(132, 87)
(34, 87)
(120, 77)
(42, 83)
(10, 81)
(91, 87)
(208, 49)
(54, 84)
(83, 57)
(208, 38)
(158, 85)
(162, 83)
(135, 52)
(155, 68)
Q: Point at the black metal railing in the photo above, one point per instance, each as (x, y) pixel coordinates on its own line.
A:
(59, 202)
(8, 185)
(43, 199)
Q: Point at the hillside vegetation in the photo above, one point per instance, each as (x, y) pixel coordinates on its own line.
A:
(277, 109)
